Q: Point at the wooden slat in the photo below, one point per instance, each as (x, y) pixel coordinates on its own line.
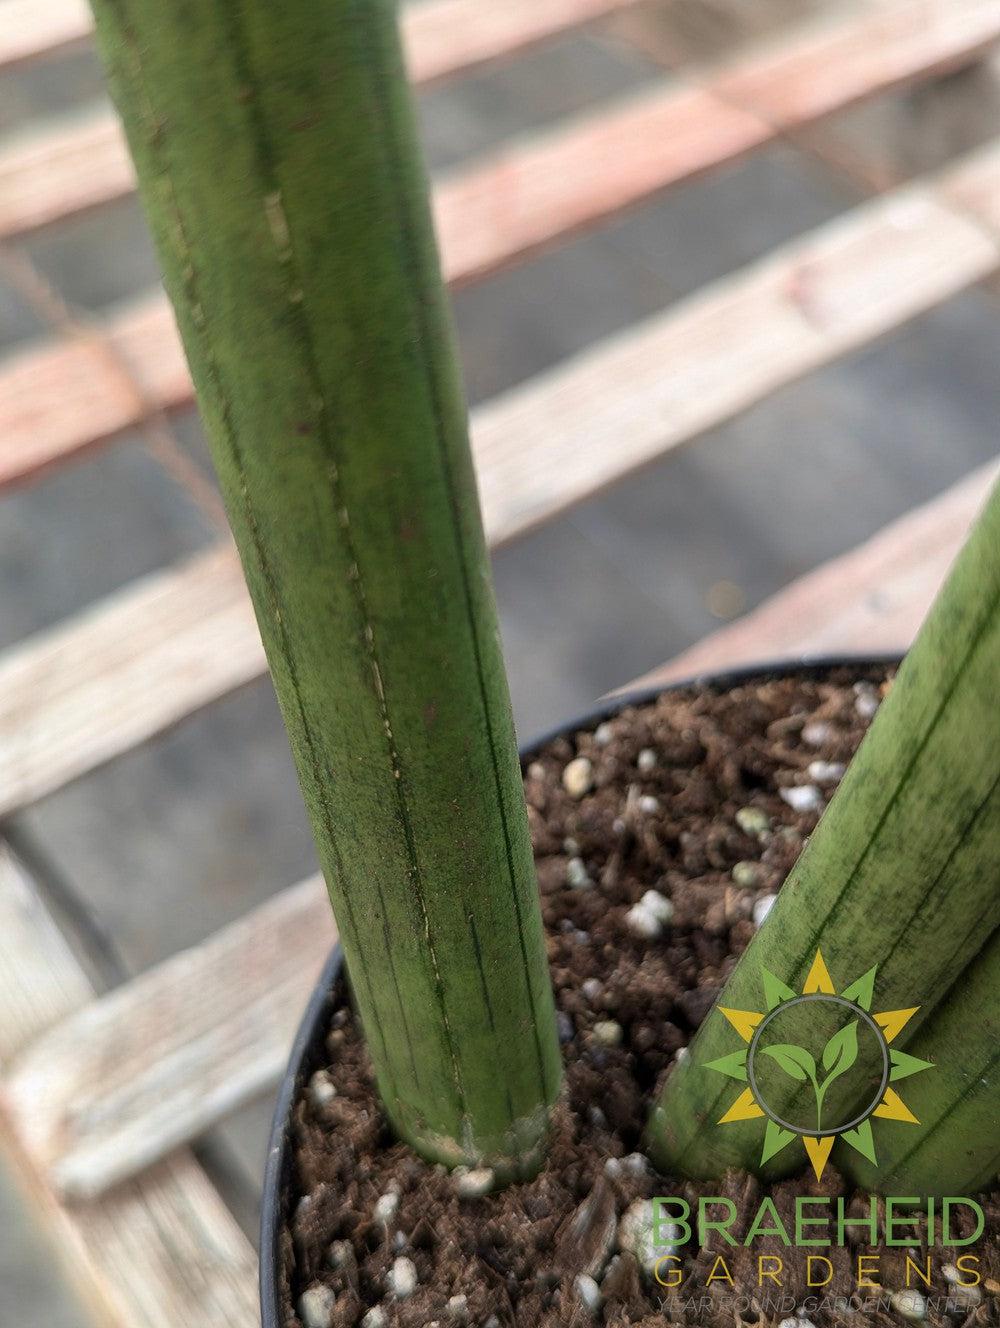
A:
(62, 169)
(113, 1088)
(74, 697)
(30, 28)
(159, 1252)
(442, 37)
(60, 398)
(527, 195)
(120, 1084)
(40, 981)
(892, 45)
(90, 690)
(973, 190)
(872, 599)
(57, 399)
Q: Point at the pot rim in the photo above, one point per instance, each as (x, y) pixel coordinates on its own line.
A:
(321, 1003)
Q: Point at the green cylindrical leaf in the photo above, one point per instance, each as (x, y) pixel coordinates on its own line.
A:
(899, 874)
(277, 161)
(956, 1148)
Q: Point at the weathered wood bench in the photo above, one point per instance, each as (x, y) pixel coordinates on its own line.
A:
(103, 1096)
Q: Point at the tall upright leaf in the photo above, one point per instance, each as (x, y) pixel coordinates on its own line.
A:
(278, 165)
(900, 873)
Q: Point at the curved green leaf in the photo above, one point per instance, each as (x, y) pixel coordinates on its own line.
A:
(840, 1052)
(795, 1061)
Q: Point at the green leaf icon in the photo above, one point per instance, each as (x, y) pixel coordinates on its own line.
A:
(840, 1052)
(795, 1061)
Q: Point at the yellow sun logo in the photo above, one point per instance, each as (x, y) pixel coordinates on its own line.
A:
(818, 1065)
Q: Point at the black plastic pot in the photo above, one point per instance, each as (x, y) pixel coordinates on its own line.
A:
(308, 1050)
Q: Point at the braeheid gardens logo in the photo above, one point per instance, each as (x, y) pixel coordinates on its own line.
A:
(818, 1065)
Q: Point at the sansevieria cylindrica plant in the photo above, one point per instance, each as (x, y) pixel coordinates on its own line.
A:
(277, 162)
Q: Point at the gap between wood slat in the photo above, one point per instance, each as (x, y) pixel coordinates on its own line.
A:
(871, 600)
(162, 1251)
(442, 37)
(116, 1086)
(61, 398)
(87, 691)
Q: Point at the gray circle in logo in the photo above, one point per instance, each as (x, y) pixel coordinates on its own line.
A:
(832, 1000)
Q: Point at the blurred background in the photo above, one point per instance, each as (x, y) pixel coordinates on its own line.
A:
(188, 831)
